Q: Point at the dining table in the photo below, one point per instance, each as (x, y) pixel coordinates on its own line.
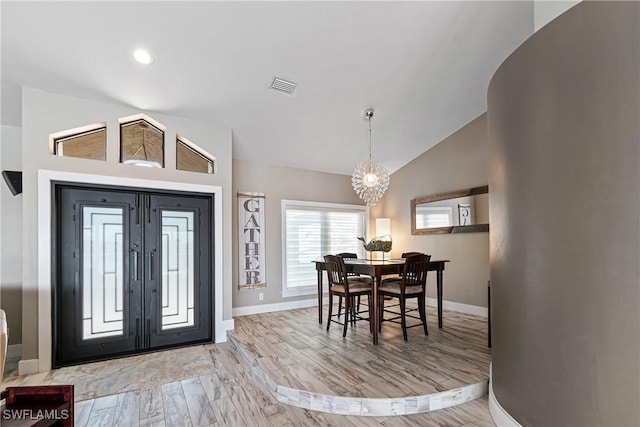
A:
(376, 269)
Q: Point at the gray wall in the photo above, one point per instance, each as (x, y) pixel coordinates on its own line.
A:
(458, 162)
(11, 232)
(45, 113)
(564, 149)
(278, 183)
(544, 11)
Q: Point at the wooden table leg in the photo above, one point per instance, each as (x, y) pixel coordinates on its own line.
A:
(439, 287)
(374, 313)
(320, 296)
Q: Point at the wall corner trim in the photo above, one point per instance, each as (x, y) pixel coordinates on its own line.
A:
(499, 415)
(292, 305)
(222, 328)
(30, 366)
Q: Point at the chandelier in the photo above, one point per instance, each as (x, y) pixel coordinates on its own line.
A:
(370, 178)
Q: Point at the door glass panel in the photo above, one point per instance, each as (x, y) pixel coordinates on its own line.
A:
(102, 272)
(177, 269)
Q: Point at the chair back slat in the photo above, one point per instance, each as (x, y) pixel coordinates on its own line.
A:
(348, 255)
(415, 271)
(408, 254)
(336, 271)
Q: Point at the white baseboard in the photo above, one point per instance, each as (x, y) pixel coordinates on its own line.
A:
(279, 306)
(14, 351)
(30, 366)
(459, 307)
(291, 305)
(499, 415)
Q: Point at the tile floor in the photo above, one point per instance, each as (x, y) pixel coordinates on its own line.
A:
(214, 385)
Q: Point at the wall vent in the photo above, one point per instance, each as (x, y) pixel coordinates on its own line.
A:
(283, 85)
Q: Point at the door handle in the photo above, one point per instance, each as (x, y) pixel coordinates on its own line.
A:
(150, 272)
(138, 333)
(136, 255)
(147, 207)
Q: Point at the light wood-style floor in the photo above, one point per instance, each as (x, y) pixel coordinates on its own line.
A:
(299, 353)
(225, 392)
(233, 396)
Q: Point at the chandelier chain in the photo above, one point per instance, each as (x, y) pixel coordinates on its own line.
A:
(369, 119)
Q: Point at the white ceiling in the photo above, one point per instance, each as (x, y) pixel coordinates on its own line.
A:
(423, 66)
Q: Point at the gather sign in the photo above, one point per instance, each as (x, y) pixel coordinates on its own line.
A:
(251, 263)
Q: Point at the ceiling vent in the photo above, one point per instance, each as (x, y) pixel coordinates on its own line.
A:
(283, 85)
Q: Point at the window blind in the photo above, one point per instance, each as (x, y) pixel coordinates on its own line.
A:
(314, 231)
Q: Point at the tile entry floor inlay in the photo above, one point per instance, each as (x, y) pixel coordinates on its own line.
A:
(104, 378)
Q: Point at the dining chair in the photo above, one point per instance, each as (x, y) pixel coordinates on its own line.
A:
(367, 279)
(412, 284)
(399, 276)
(348, 288)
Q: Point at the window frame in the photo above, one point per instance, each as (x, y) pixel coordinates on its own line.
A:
(61, 136)
(136, 118)
(199, 151)
(324, 206)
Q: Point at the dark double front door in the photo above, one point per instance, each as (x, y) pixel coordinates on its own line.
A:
(133, 272)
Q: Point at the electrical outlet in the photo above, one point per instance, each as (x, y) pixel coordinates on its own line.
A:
(261, 296)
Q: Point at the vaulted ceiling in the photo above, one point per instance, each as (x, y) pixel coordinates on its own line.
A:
(423, 66)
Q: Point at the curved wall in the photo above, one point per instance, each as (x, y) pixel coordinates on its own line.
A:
(564, 136)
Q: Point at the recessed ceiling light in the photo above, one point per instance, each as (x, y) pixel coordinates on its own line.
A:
(143, 56)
